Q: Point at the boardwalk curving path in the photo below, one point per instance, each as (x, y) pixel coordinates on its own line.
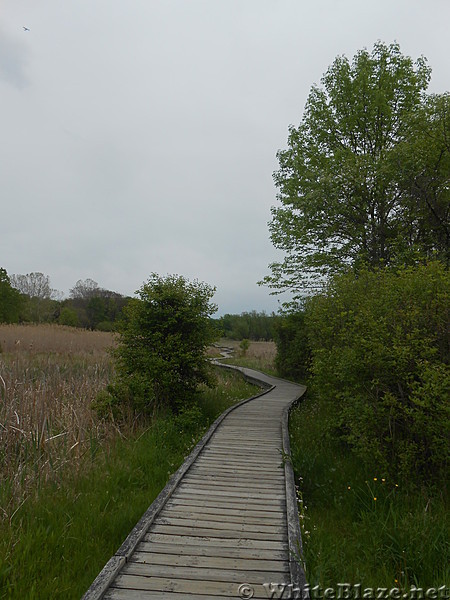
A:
(227, 521)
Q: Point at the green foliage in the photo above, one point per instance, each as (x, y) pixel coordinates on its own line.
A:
(380, 353)
(161, 351)
(244, 346)
(424, 157)
(105, 326)
(39, 310)
(40, 303)
(365, 177)
(11, 301)
(248, 325)
(68, 316)
(293, 348)
(95, 307)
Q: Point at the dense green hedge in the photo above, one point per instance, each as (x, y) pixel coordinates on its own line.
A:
(293, 348)
(380, 351)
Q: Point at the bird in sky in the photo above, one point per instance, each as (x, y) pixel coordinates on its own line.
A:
(26, 29)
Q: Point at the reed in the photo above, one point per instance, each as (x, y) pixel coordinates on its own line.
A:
(49, 376)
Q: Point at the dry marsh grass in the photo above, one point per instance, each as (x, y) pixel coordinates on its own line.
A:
(49, 376)
(53, 338)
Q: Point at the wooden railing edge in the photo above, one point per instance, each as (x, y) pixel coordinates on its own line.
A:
(296, 559)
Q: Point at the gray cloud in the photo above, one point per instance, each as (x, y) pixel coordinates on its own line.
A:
(14, 59)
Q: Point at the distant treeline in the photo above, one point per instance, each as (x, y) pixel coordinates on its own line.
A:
(252, 325)
(30, 299)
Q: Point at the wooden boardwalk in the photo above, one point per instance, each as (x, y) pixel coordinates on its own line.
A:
(227, 518)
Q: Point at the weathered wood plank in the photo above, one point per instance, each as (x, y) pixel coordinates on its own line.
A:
(241, 553)
(206, 477)
(200, 573)
(223, 525)
(218, 533)
(226, 470)
(273, 493)
(222, 479)
(215, 462)
(230, 493)
(217, 588)
(238, 473)
(220, 503)
(236, 516)
(128, 594)
(214, 562)
(212, 508)
(204, 540)
(242, 446)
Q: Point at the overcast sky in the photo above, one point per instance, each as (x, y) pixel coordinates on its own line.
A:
(140, 136)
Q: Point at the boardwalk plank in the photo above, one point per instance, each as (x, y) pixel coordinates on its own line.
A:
(219, 503)
(223, 541)
(127, 594)
(225, 524)
(201, 573)
(235, 516)
(192, 560)
(214, 479)
(226, 507)
(230, 492)
(224, 532)
(217, 588)
(222, 551)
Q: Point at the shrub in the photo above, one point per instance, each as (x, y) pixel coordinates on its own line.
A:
(293, 348)
(105, 326)
(380, 355)
(244, 346)
(68, 317)
(160, 357)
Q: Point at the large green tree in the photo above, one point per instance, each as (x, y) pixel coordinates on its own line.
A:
(348, 179)
(423, 162)
(161, 349)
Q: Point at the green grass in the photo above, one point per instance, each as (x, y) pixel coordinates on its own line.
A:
(59, 539)
(358, 526)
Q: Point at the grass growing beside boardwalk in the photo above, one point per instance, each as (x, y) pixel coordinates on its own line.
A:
(68, 501)
(59, 539)
(359, 526)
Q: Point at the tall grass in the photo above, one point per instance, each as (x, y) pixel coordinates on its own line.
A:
(358, 526)
(49, 377)
(71, 486)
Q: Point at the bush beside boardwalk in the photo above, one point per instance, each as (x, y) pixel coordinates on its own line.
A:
(371, 440)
